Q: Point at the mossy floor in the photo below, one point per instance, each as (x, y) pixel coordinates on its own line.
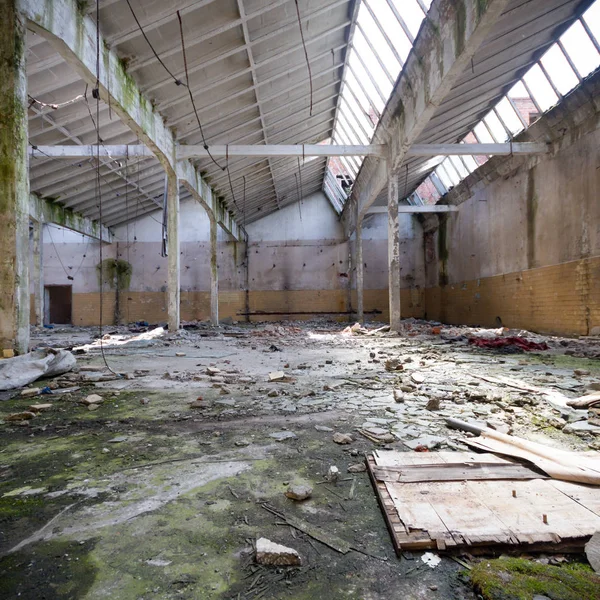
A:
(519, 579)
(165, 512)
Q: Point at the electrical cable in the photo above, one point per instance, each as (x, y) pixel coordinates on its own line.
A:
(204, 144)
(306, 56)
(175, 79)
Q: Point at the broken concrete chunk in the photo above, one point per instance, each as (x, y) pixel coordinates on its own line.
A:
(417, 377)
(398, 396)
(92, 407)
(333, 474)
(299, 492)
(22, 416)
(276, 376)
(35, 408)
(27, 393)
(581, 372)
(393, 364)
(212, 371)
(357, 468)
(270, 553)
(280, 436)
(592, 551)
(179, 354)
(433, 404)
(92, 399)
(323, 428)
(342, 438)
(273, 393)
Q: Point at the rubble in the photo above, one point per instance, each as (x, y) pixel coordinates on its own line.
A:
(342, 438)
(299, 492)
(272, 554)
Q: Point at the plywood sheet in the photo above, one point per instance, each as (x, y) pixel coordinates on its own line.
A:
(482, 510)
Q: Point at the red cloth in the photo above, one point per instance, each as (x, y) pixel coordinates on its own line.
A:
(502, 342)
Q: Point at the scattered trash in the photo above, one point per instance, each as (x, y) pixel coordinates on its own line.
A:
(431, 560)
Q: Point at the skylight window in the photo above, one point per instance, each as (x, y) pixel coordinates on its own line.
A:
(384, 35)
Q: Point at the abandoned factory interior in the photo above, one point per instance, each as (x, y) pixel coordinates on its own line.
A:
(300, 299)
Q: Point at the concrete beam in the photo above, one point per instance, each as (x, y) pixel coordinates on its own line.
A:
(14, 182)
(451, 34)
(414, 210)
(184, 152)
(44, 211)
(73, 35)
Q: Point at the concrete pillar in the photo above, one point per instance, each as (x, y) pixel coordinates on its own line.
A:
(173, 297)
(394, 252)
(14, 182)
(214, 273)
(37, 276)
(359, 265)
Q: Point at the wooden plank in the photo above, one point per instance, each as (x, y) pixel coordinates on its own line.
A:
(458, 515)
(455, 472)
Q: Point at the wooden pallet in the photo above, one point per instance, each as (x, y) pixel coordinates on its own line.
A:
(460, 501)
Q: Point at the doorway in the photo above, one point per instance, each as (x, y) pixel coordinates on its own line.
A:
(59, 304)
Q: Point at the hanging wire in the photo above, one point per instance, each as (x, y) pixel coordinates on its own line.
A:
(187, 85)
(306, 56)
(175, 79)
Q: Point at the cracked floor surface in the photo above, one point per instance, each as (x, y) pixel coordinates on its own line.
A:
(160, 492)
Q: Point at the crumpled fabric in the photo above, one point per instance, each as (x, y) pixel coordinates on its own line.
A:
(25, 369)
(503, 342)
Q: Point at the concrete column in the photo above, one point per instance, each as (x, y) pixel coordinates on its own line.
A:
(360, 307)
(173, 297)
(37, 276)
(14, 182)
(214, 273)
(394, 252)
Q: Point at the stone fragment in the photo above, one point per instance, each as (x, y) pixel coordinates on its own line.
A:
(433, 404)
(398, 396)
(272, 554)
(342, 438)
(592, 551)
(333, 474)
(276, 376)
(242, 443)
(393, 364)
(129, 376)
(92, 407)
(299, 492)
(280, 436)
(118, 439)
(197, 404)
(581, 372)
(323, 428)
(22, 416)
(93, 399)
(357, 468)
(499, 426)
(29, 392)
(417, 377)
(427, 441)
(179, 354)
(36, 408)
(212, 371)
(273, 393)
(144, 401)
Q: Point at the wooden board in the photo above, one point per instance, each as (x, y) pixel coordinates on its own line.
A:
(482, 510)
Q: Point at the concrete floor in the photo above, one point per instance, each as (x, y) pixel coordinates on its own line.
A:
(160, 492)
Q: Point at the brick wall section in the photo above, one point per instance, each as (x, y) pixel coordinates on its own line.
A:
(152, 306)
(561, 299)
